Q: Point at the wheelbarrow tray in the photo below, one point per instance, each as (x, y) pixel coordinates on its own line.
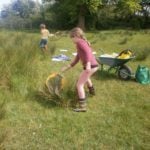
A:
(113, 62)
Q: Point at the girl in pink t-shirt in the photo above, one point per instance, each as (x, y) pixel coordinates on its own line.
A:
(90, 66)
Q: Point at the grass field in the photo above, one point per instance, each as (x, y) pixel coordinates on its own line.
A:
(117, 117)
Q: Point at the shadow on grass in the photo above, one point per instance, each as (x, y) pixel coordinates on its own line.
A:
(43, 101)
(105, 75)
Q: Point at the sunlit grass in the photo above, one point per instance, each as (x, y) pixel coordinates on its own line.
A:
(117, 117)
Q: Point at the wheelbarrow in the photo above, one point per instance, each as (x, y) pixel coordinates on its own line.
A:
(124, 72)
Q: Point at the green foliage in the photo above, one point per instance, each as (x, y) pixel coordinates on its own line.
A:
(92, 5)
(69, 11)
(22, 11)
(23, 8)
(65, 14)
(128, 7)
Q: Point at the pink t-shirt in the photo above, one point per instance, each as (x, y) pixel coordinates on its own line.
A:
(84, 54)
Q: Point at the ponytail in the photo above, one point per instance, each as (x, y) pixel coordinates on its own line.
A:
(78, 32)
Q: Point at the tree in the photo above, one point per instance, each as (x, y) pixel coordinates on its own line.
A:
(23, 8)
(128, 7)
(21, 11)
(146, 12)
(78, 9)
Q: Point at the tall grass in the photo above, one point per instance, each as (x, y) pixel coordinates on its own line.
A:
(2, 114)
(117, 117)
(64, 97)
(142, 54)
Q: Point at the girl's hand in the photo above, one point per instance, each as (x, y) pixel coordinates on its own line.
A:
(65, 68)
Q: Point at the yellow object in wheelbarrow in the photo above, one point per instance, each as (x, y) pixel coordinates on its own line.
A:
(126, 54)
(123, 56)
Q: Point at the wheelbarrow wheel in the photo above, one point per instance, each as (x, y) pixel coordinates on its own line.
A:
(124, 72)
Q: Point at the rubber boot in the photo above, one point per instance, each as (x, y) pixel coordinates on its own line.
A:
(82, 106)
(91, 90)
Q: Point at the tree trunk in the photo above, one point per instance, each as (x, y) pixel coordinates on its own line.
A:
(81, 17)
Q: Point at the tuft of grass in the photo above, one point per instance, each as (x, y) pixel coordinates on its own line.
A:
(2, 138)
(2, 110)
(123, 41)
(2, 115)
(59, 94)
(5, 82)
(142, 54)
(52, 50)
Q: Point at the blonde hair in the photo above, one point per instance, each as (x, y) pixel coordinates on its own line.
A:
(78, 32)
